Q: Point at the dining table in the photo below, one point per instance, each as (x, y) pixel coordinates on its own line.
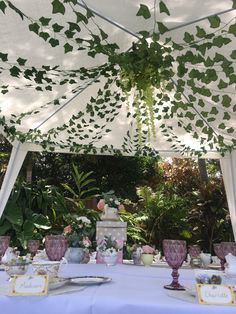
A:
(131, 290)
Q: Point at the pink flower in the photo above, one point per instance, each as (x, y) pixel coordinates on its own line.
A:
(119, 244)
(86, 242)
(148, 249)
(121, 207)
(67, 229)
(101, 204)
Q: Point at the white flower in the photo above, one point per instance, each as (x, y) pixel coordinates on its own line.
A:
(117, 202)
(84, 220)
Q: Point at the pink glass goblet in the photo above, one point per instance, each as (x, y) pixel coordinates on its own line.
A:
(4, 243)
(227, 247)
(32, 246)
(194, 250)
(220, 254)
(55, 247)
(175, 253)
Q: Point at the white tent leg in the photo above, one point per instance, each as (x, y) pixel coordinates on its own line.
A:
(16, 160)
(228, 167)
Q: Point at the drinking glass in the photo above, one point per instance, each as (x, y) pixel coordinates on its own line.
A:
(227, 247)
(175, 253)
(220, 254)
(4, 243)
(55, 247)
(194, 250)
(32, 246)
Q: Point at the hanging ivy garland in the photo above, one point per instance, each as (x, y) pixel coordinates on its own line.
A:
(167, 80)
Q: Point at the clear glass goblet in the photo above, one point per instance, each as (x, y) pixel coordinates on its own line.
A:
(55, 247)
(220, 254)
(4, 244)
(32, 246)
(175, 253)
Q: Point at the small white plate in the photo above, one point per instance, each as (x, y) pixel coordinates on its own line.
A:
(89, 280)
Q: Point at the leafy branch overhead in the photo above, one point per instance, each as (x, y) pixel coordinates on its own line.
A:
(165, 84)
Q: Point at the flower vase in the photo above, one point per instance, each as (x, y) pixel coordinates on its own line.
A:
(110, 213)
(75, 255)
(109, 259)
(147, 259)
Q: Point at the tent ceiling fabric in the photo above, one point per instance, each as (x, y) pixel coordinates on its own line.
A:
(119, 20)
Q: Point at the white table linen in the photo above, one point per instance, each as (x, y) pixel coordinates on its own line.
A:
(133, 290)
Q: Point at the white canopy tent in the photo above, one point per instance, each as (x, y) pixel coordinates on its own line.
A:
(118, 19)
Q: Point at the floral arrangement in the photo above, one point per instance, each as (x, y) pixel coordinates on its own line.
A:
(108, 246)
(147, 249)
(77, 231)
(109, 199)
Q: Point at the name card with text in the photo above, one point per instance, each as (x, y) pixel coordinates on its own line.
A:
(215, 294)
(27, 285)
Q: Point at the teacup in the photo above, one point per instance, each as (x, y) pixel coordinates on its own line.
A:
(49, 268)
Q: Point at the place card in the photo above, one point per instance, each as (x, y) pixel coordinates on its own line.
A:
(215, 294)
(29, 285)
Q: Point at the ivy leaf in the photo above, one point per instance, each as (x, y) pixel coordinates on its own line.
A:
(201, 33)
(162, 28)
(226, 116)
(57, 28)
(21, 61)
(234, 4)
(81, 18)
(214, 111)
(44, 21)
(226, 101)
(232, 29)
(103, 34)
(34, 27)
(188, 37)
(89, 13)
(58, 7)
(3, 6)
(222, 84)
(68, 48)
(74, 27)
(222, 126)
(44, 35)
(214, 21)
(144, 11)
(233, 54)
(3, 56)
(15, 71)
(163, 8)
(199, 123)
(54, 42)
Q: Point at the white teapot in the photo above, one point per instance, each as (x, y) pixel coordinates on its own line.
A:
(231, 264)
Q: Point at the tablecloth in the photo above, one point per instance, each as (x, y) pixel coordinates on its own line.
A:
(133, 290)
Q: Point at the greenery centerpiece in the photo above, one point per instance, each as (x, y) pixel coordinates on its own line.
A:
(162, 79)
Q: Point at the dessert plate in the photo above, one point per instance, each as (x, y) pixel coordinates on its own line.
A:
(89, 280)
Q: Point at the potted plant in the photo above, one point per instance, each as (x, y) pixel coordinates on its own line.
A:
(147, 255)
(109, 249)
(110, 205)
(77, 233)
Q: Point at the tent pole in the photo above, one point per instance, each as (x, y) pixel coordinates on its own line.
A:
(16, 160)
(228, 167)
(105, 18)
